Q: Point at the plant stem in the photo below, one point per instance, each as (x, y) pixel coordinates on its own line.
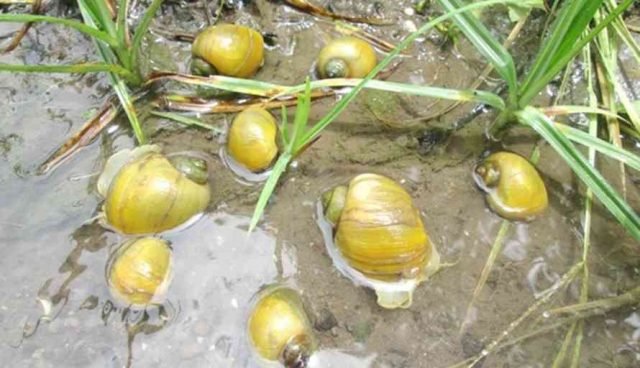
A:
(93, 32)
(74, 68)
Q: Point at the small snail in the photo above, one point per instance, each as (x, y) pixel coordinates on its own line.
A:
(379, 239)
(346, 57)
(278, 327)
(139, 271)
(227, 49)
(252, 139)
(145, 193)
(514, 188)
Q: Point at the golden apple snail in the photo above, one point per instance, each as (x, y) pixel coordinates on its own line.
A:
(346, 57)
(146, 192)
(227, 49)
(139, 271)
(377, 238)
(279, 329)
(513, 187)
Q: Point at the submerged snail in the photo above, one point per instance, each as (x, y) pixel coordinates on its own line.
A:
(278, 327)
(514, 188)
(145, 192)
(379, 239)
(346, 57)
(227, 49)
(252, 139)
(139, 271)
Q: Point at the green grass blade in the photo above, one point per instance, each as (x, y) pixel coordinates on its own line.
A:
(121, 27)
(141, 30)
(187, 121)
(534, 84)
(266, 89)
(269, 187)
(587, 173)
(78, 26)
(485, 43)
(117, 83)
(571, 21)
(73, 68)
(600, 145)
(301, 119)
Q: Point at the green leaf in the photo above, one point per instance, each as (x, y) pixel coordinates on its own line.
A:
(88, 30)
(141, 30)
(565, 43)
(73, 68)
(600, 145)
(587, 173)
(269, 187)
(485, 43)
(188, 121)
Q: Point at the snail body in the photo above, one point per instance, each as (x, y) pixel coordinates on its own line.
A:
(379, 238)
(252, 139)
(228, 49)
(139, 271)
(145, 193)
(279, 329)
(346, 57)
(513, 186)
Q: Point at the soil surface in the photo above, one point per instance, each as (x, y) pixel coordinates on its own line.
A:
(55, 307)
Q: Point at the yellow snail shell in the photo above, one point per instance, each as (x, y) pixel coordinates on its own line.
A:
(380, 241)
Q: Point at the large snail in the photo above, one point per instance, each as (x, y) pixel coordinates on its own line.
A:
(139, 271)
(145, 192)
(227, 49)
(346, 57)
(514, 188)
(379, 239)
(278, 327)
(252, 139)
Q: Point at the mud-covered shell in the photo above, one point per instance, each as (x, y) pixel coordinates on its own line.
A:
(278, 327)
(252, 139)
(346, 57)
(149, 195)
(233, 50)
(139, 271)
(381, 241)
(513, 186)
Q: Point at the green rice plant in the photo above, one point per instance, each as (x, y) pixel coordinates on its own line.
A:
(566, 39)
(116, 46)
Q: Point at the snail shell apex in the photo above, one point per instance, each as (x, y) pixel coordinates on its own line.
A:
(514, 187)
(232, 50)
(346, 57)
(252, 139)
(139, 271)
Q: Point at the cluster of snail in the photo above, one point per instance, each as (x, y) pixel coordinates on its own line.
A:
(372, 230)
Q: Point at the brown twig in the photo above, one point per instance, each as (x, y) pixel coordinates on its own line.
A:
(36, 8)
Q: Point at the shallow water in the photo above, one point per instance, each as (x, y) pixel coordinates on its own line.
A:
(55, 309)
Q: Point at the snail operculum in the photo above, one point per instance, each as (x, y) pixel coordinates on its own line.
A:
(228, 49)
(346, 57)
(514, 187)
(139, 271)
